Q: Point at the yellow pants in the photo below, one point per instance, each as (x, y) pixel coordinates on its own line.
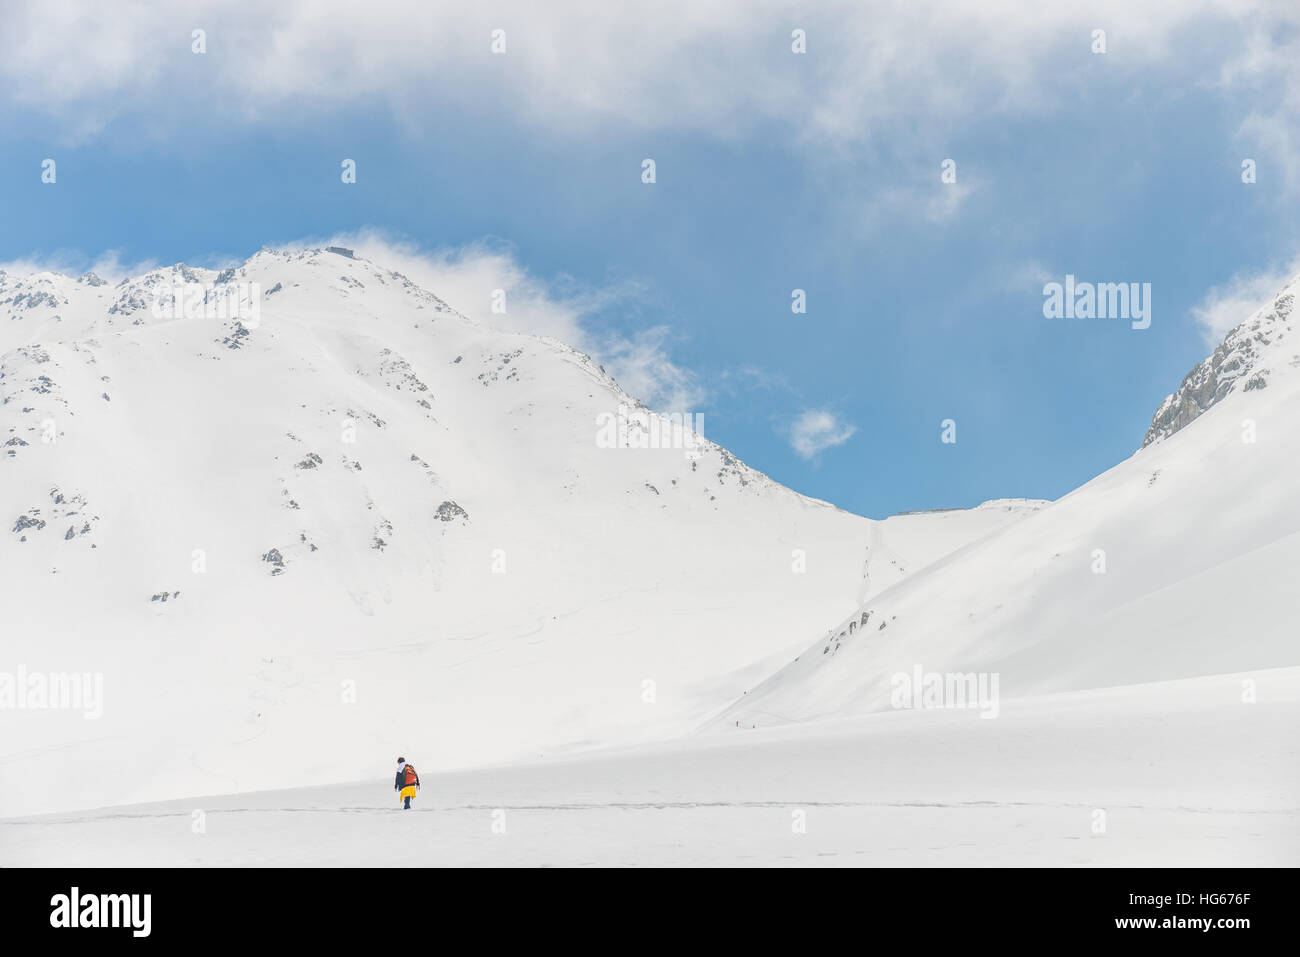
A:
(407, 792)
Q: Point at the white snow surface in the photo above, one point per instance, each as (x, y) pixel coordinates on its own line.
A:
(1174, 774)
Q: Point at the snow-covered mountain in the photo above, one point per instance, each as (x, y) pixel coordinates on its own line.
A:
(1246, 359)
(1180, 561)
(356, 523)
(296, 540)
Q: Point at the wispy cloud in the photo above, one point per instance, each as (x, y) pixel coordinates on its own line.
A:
(932, 201)
(946, 201)
(720, 68)
(750, 379)
(643, 366)
(473, 278)
(1264, 65)
(816, 430)
(108, 265)
(1027, 275)
(1227, 306)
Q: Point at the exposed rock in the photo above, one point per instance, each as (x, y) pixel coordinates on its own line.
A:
(26, 521)
(236, 339)
(449, 511)
(1236, 362)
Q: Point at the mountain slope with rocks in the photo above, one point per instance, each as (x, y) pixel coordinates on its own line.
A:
(298, 540)
(1245, 360)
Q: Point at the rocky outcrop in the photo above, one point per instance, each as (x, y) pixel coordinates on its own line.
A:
(1239, 363)
(450, 511)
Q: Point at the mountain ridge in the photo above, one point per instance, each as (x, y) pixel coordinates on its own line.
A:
(364, 494)
(1243, 358)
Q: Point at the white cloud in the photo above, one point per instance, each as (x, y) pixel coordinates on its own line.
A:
(1264, 65)
(720, 67)
(467, 277)
(934, 201)
(817, 430)
(1227, 306)
(902, 81)
(1028, 275)
(944, 204)
(643, 367)
(108, 265)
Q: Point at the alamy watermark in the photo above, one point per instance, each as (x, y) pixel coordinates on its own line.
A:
(1104, 300)
(53, 691)
(77, 909)
(642, 429)
(932, 689)
(196, 300)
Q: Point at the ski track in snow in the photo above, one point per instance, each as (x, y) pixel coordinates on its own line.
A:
(642, 806)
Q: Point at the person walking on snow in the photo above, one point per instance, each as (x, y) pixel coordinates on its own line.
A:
(406, 783)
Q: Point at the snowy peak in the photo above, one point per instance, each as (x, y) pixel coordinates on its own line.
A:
(1244, 361)
(475, 529)
(50, 306)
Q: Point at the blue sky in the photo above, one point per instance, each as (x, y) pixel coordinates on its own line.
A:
(775, 171)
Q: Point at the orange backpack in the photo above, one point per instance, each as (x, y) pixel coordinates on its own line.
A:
(409, 780)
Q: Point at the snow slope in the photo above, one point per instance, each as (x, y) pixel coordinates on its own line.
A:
(1180, 561)
(1170, 774)
(364, 525)
(906, 543)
